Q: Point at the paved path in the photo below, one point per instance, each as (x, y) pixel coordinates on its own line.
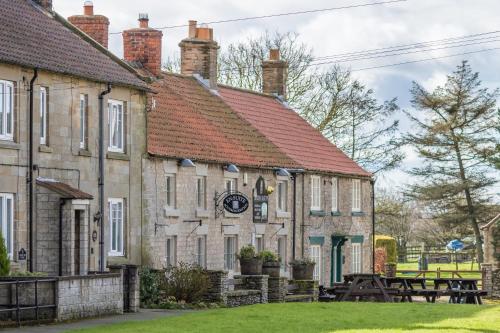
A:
(144, 314)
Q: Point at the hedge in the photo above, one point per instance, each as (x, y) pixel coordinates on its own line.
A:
(390, 246)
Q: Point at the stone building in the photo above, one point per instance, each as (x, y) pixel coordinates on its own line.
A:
(70, 195)
(306, 198)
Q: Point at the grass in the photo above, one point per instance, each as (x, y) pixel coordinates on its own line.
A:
(324, 317)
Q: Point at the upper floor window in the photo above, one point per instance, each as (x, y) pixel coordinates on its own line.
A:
(83, 120)
(170, 189)
(116, 126)
(44, 113)
(335, 190)
(6, 110)
(231, 185)
(282, 196)
(7, 221)
(116, 224)
(201, 191)
(315, 193)
(356, 195)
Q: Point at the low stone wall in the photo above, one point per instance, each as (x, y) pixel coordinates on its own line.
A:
(219, 286)
(89, 296)
(236, 298)
(254, 282)
(495, 291)
(303, 288)
(277, 288)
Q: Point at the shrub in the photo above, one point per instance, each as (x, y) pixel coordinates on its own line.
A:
(302, 261)
(390, 246)
(247, 252)
(29, 274)
(4, 258)
(268, 256)
(186, 282)
(151, 282)
(380, 260)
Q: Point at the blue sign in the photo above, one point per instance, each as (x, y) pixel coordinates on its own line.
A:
(455, 245)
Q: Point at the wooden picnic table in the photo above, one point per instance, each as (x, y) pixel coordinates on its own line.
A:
(459, 288)
(407, 284)
(365, 285)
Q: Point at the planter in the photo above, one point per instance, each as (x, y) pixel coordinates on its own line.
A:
(303, 271)
(271, 268)
(251, 266)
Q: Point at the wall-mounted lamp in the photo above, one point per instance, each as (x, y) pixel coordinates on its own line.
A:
(282, 172)
(231, 168)
(187, 163)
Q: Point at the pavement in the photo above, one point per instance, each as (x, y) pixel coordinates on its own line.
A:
(143, 314)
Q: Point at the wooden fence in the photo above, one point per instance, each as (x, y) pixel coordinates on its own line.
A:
(443, 273)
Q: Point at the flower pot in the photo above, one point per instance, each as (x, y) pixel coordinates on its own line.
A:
(303, 271)
(271, 268)
(251, 266)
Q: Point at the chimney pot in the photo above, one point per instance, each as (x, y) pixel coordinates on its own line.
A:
(143, 20)
(274, 54)
(88, 8)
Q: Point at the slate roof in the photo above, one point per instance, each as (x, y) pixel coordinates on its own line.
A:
(188, 121)
(66, 191)
(290, 132)
(35, 38)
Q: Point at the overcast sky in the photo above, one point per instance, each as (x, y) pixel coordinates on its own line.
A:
(332, 32)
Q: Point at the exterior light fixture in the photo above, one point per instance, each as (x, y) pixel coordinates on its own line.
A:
(231, 168)
(283, 172)
(187, 163)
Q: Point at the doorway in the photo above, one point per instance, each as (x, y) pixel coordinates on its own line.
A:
(337, 259)
(77, 242)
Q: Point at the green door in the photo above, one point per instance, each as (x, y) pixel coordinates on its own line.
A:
(337, 259)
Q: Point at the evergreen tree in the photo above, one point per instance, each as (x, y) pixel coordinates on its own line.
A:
(457, 138)
(4, 258)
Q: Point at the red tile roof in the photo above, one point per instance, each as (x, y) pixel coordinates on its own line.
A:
(290, 132)
(35, 38)
(188, 121)
(65, 190)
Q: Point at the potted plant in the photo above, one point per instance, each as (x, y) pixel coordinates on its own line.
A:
(302, 269)
(250, 261)
(271, 263)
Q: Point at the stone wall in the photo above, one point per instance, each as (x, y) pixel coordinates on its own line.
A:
(254, 282)
(217, 293)
(496, 284)
(277, 289)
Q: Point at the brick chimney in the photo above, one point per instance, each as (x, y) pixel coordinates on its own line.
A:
(47, 4)
(96, 26)
(274, 74)
(199, 54)
(142, 46)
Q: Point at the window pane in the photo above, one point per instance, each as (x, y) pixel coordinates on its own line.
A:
(120, 127)
(2, 109)
(9, 109)
(9, 218)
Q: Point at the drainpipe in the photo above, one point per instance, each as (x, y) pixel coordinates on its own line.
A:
(30, 170)
(303, 214)
(101, 176)
(294, 214)
(61, 207)
(373, 225)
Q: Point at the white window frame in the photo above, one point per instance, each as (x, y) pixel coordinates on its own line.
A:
(315, 255)
(7, 221)
(170, 191)
(357, 250)
(315, 193)
(258, 242)
(282, 252)
(83, 120)
(6, 110)
(116, 117)
(335, 194)
(356, 195)
(119, 249)
(201, 251)
(171, 251)
(201, 192)
(43, 116)
(282, 196)
(230, 253)
(231, 184)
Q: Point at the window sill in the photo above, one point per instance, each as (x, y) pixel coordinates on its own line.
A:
(117, 156)
(113, 254)
(336, 213)
(283, 215)
(358, 214)
(171, 212)
(84, 152)
(320, 213)
(45, 149)
(8, 144)
(202, 213)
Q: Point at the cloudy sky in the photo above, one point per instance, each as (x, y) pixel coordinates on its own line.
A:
(334, 32)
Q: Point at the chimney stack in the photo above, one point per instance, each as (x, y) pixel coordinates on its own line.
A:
(199, 54)
(143, 46)
(47, 4)
(274, 74)
(96, 26)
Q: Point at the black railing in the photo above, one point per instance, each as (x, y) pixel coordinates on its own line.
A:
(17, 298)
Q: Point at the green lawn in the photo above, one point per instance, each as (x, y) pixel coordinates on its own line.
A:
(325, 317)
(433, 267)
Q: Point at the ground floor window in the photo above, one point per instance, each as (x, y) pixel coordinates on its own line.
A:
(116, 223)
(258, 242)
(201, 251)
(315, 254)
(7, 221)
(230, 248)
(282, 252)
(356, 257)
(171, 251)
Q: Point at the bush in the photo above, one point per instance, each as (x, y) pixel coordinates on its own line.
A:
(390, 246)
(247, 252)
(302, 261)
(151, 282)
(4, 258)
(186, 282)
(268, 256)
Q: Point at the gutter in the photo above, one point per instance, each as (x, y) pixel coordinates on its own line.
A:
(101, 177)
(373, 225)
(31, 169)
(294, 173)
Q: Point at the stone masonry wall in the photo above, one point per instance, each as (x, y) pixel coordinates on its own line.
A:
(496, 284)
(277, 287)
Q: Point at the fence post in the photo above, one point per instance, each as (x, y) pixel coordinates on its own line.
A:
(438, 274)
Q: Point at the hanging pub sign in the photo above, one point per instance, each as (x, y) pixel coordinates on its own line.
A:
(235, 203)
(260, 202)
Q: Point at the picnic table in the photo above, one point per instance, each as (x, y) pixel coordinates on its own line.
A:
(408, 286)
(365, 285)
(460, 289)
